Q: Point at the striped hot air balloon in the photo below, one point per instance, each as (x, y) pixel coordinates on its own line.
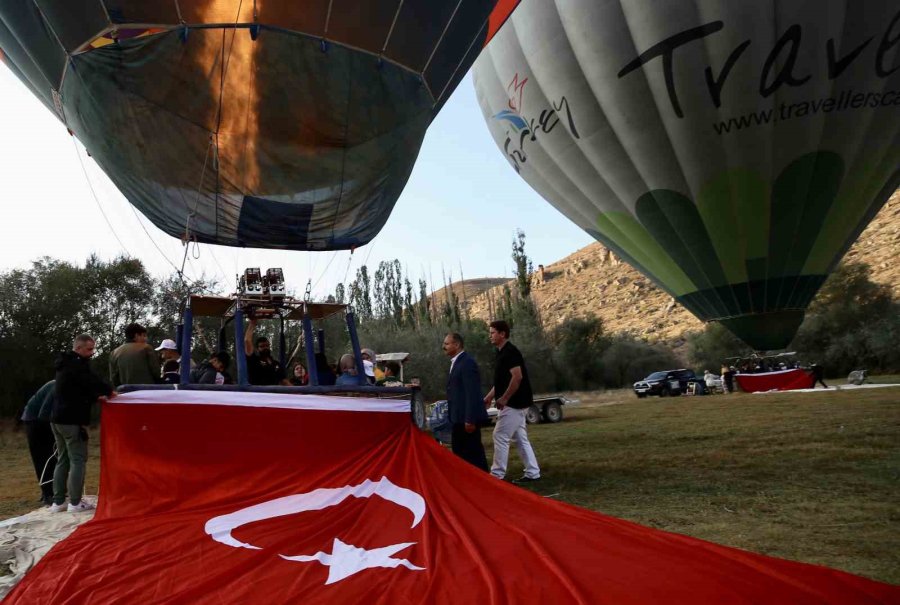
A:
(731, 151)
(263, 123)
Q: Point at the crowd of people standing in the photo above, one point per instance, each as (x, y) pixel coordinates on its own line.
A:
(57, 416)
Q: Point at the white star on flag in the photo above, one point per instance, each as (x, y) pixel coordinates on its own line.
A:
(346, 559)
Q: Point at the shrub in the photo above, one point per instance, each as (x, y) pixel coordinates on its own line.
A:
(852, 323)
(628, 359)
(579, 344)
(712, 346)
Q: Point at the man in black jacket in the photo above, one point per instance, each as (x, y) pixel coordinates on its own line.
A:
(77, 388)
(464, 403)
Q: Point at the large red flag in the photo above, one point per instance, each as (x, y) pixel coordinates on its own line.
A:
(218, 497)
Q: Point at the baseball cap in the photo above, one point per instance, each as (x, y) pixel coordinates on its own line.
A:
(369, 367)
(167, 344)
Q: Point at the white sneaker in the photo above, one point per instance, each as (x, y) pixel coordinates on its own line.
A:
(58, 508)
(80, 507)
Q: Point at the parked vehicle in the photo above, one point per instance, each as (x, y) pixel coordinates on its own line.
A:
(544, 409)
(671, 382)
(548, 408)
(858, 377)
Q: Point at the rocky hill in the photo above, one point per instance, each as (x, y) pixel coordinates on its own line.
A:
(593, 281)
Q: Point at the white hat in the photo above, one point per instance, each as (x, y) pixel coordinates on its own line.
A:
(369, 367)
(167, 344)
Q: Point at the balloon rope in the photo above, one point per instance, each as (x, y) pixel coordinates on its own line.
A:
(349, 261)
(325, 270)
(327, 18)
(96, 199)
(216, 260)
(369, 253)
(391, 30)
(152, 241)
(441, 39)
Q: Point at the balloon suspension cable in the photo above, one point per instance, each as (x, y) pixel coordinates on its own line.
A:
(325, 270)
(186, 240)
(97, 199)
(349, 261)
(211, 144)
(188, 236)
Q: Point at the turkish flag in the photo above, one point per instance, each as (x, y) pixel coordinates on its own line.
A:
(783, 380)
(215, 497)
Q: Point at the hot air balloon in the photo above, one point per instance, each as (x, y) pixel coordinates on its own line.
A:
(263, 123)
(731, 151)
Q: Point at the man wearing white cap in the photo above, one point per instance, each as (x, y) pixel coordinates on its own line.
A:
(168, 350)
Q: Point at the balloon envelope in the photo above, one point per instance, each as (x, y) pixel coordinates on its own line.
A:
(731, 151)
(272, 124)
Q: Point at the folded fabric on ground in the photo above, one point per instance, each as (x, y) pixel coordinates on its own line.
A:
(227, 497)
(25, 540)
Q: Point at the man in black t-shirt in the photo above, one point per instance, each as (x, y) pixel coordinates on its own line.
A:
(513, 392)
(262, 368)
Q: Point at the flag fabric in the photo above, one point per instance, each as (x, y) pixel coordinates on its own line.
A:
(230, 497)
(781, 380)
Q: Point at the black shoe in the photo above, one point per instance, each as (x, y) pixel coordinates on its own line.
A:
(526, 479)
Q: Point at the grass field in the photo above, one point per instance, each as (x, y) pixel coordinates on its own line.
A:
(813, 477)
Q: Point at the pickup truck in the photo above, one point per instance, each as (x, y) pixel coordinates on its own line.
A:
(544, 409)
(670, 382)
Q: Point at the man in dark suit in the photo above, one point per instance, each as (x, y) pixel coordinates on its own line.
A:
(466, 407)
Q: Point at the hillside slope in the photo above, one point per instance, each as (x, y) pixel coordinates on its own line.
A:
(593, 281)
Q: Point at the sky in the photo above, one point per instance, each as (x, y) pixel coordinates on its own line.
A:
(458, 213)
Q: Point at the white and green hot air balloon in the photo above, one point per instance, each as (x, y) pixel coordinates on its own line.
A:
(730, 150)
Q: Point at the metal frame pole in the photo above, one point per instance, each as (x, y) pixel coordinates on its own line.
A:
(312, 368)
(186, 333)
(357, 355)
(240, 355)
(282, 354)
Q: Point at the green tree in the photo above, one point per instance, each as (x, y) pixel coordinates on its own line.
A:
(579, 344)
(423, 308)
(628, 359)
(711, 347)
(340, 293)
(852, 323)
(524, 269)
(361, 295)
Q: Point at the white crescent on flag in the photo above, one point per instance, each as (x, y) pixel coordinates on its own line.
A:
(345, 559)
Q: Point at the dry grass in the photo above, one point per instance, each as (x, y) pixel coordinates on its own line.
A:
(806, 476)
(19, 492)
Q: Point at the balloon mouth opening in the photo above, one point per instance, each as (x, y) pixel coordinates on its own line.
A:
(766, 331)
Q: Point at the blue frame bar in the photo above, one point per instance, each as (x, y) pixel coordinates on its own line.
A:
(186, 333)
(312, 368)
(357, 355)
(282, 354)
(240, 355)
